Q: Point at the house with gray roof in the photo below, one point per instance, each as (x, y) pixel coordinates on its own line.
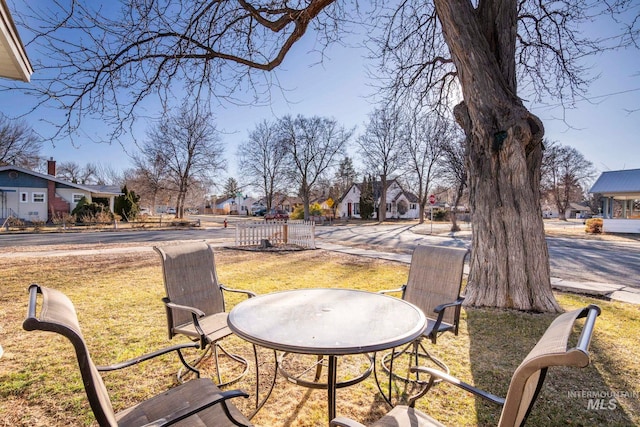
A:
(620, 190)
(34, 196)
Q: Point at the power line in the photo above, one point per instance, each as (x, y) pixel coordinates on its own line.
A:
(591, 98)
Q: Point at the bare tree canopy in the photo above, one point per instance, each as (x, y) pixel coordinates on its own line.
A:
(19, 145)
(262, 158)
(74, 172)
(381, 146)
(546, 44)
(313, 146)
(566, 175)
(103, 54)
(455, 173)
(186, 147)
(489, 54)
(423, 149)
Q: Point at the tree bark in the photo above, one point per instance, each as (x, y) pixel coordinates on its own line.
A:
(509, 264)
(382, 208)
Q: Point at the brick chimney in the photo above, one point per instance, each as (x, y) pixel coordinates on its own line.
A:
(51, 167)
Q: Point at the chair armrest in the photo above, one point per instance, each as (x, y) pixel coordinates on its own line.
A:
(195, 315)
(220, 397)
(193, 310)
(147, 356)
(440, 310)
(344, 422)
(441, 307)
(389, 291)
(241, 291)
(436, 374)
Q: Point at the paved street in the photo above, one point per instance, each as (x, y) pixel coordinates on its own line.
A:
(576, 259)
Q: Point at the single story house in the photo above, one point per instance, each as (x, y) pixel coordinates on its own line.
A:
(620, 190)
(575, 210)
(400, 203)
(239, 205)
(33, 196)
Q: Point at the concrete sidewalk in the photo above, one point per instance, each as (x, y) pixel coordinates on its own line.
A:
(600, 290)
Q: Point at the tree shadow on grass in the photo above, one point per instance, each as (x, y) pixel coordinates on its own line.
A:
(498, 342)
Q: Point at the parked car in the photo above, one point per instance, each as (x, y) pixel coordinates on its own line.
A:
(261, 211)
(171, 211)
(276, 214)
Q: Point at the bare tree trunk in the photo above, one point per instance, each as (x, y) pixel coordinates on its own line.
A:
(454, 211)
(382, 209)
(509, 265)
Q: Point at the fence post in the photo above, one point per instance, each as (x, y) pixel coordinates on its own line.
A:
(285, 233)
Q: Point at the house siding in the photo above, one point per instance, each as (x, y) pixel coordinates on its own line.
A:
(57, 195)
(348, 207)
(29, 210)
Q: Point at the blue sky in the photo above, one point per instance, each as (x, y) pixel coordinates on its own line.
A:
(604, 130)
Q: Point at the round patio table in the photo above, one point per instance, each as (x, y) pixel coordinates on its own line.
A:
(328, 322)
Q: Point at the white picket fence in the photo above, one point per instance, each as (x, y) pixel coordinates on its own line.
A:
(299, 233)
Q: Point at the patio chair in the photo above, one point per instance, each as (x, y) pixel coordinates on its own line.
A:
(195, 302)
(197, 402)
(433, 284)
(551, 350)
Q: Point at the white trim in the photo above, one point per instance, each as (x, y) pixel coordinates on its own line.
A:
(38, 193)
(14, 63)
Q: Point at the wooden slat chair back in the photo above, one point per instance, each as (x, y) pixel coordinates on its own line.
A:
(197, 402)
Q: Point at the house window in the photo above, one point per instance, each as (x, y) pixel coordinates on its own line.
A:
(24, 197)
(77, 197)
(388, 207)
(37, 197)
(413, 206)
(356, 208)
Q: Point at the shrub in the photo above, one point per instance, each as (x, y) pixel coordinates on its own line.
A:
(440, 215)
(63, 219)
(298, 213)
(38, 224)
(403, 207)
(91, 213)
(594, 226)
(15, 222)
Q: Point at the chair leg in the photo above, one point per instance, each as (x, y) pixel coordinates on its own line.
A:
(415, 352)
(232, 356)
(190, 366)
(213, 350)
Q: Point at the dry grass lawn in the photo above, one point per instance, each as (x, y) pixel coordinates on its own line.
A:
(118, 302)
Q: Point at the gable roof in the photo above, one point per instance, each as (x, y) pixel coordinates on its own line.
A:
(377, 187)
(101, 189)
(618, 183)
